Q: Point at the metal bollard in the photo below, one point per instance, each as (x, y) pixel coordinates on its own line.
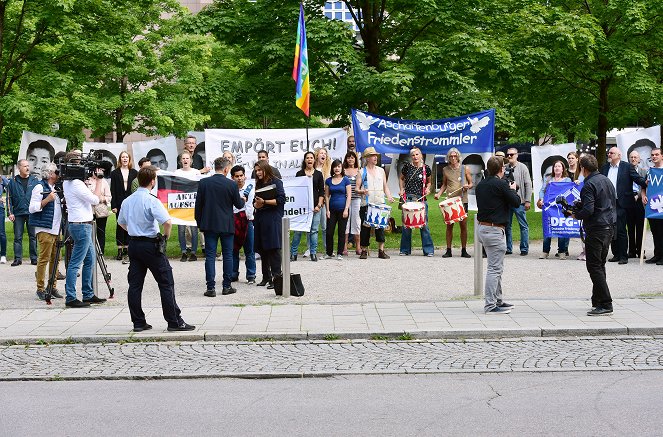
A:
(478, 260)
(285, 255)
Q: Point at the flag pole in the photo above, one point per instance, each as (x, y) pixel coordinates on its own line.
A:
(308, 149)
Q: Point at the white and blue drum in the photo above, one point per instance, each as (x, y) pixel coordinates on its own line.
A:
(377, 216)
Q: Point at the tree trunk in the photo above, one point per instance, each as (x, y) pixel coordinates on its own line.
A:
(602, 128)
(119, 112)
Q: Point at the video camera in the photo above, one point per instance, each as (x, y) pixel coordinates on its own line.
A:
(509, 176)
(567, 209)
(84, 167)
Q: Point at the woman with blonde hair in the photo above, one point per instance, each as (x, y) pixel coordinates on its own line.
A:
(120, 187)
(323, 165)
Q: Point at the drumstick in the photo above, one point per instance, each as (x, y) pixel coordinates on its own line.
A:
(454, 192)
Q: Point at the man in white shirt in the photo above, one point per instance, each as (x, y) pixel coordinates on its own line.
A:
(79, 201)
(45, 216)
(244, 216)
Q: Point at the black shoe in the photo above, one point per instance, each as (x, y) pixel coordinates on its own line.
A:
(229, 290)
(633, 255)
(33, 262)
(447, 254)
(251, 281)
(263, 283)
(119, 256)
(464, 254)
(17, 262)
(659, 262)
(598, 311)
(77, 304)
(145, 327)
(41, 295)
(508, 252)
(210, 293)
(56, 294)
(270, 285)
(653, 260)
(614, 259)
(193, 257)
(523, 253)
(184, 258)
(60, 277)
(293, 258)
(623, 261)
(182, 327)
(506, 305)
(314, 258)
(94, 299)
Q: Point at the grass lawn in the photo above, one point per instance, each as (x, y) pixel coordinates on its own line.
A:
(436, 223)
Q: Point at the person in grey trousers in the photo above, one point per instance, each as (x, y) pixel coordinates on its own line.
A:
(495, 198)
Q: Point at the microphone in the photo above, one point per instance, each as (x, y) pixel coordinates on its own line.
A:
(247, 190)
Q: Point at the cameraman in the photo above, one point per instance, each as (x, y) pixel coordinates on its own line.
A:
(598, 210)
(80, 200)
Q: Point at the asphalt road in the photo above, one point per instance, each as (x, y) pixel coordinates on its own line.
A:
(564, 404)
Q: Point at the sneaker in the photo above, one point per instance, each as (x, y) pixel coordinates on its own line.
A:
(193, 257)
(56, 294)
(251, 281)
(76, 304)
(210, 293)
(41, 295)
(428, 254)
(307, 253)
(544, 255)
(181, 327)
(506, 305)
(118, 257)
(60, 277)
(382, 254)
(145, 327)
(508, 252)
(599, 312)
(364, 254)
(499, 310)
(581, 257)
(325, 256)
(229, 290)
(403, 254)
(339, 257)
(94, 300)
(17, 262)
(523, 253)
(125, 259)
(184, 257)
(3, 259)
(561, 256)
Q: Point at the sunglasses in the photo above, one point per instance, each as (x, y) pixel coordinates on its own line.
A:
(511, 154)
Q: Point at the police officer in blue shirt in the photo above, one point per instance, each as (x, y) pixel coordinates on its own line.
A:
(140, 216)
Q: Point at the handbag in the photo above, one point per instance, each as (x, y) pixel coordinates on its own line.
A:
(101, 210)
(296, 285)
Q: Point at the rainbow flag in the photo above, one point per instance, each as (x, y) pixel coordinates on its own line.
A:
(300, 68)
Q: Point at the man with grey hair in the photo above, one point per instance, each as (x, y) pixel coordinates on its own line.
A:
(215, 199)
(19, 191)
(519, 173)
(46, 216)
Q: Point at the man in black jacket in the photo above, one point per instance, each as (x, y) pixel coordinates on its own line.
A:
(622, 175)
(599, 213)
(495, 198)
(215, 199)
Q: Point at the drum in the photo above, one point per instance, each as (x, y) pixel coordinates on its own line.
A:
(377, 216)
(452, 210)
(414, 214)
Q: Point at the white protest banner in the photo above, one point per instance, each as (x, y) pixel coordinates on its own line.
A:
(286, 147)
(109, 152)
(162, 152)
(299, 202)
(542, 161)
(39, 150)
(642, 141)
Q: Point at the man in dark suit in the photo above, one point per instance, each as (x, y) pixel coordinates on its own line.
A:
(215, 199)
(623, 176)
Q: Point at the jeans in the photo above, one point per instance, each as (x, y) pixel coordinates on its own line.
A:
(426, 239)
(524, 230)
(492, 239)
(181, 236)
(47, 245)
(3, 233)
(211, 241)
(597, 242)
(562, 244)
(248, 253)
(83, 253)
(323, 227)
(20, 221)
(312, 236)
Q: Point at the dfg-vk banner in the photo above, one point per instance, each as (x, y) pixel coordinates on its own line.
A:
(473, 133)
(555, 225)
(654, 207)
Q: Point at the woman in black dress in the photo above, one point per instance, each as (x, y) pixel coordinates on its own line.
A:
(120, 188)
(267, 223)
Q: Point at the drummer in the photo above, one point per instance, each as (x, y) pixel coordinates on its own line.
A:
(414, 183)
(372, 187)
(452, 184)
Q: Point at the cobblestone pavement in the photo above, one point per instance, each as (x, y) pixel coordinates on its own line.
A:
(302, 359)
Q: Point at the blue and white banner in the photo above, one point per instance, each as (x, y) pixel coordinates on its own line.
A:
(654, 207)
(473, 133)
(555, 225)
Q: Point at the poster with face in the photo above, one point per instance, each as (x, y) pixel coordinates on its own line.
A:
(641, 141)
(543, 158)
(476, 164)
(200, 144)
(39, 150)
(109, 152)
(161, 152)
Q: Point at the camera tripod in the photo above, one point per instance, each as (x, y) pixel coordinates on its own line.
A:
(64, 239)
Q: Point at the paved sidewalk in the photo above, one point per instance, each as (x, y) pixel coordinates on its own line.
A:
(420, 320)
